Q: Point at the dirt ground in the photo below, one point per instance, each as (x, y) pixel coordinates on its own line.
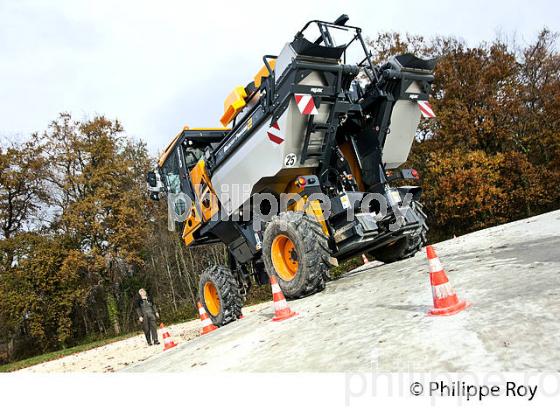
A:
(118, 355)
(376, 316)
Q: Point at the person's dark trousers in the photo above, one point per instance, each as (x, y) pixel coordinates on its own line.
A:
(150, 329)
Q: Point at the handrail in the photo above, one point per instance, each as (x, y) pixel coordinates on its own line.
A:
(272, 78)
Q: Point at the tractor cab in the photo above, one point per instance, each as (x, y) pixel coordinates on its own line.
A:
(180, 157)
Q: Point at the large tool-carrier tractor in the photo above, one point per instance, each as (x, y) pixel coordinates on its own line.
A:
(317, 138)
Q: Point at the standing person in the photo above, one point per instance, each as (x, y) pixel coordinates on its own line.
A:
(147, 314)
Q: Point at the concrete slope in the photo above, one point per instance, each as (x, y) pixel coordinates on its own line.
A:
(376, 316)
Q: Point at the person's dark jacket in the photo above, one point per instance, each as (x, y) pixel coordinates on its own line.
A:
(145, 307)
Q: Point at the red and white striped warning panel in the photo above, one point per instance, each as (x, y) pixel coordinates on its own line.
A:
(426, 109)
(274, 134)
(306, 104)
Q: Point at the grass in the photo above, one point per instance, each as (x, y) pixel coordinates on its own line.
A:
(46, 357)
(346, 266)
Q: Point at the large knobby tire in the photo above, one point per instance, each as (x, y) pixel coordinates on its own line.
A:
(296, 252)
(408, 246)
(219, 293)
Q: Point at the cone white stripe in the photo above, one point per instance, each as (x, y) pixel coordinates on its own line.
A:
(435, 265)
(442, 291)
(280, 304)
(275, 288)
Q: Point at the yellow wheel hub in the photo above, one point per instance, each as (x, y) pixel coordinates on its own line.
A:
(211, 299)
(284, 257)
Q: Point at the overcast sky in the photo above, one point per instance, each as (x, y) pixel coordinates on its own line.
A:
(157, 65)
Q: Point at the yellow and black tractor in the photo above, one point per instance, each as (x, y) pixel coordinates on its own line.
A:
(299, 176)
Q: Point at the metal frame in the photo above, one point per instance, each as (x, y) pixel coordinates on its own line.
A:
(323, 28)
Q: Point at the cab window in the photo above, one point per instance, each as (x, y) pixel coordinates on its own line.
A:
(192, 154)
(171, 170)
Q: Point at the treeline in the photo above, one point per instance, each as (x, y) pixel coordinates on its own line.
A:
(492, 155)
(79, 236)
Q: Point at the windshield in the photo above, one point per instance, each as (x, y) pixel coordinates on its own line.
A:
(170, 173)
(192, 155)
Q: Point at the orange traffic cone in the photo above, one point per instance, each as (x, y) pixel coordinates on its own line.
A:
(364, 258)
(446, 301)
(207, 325)
(168, 343)
(281, 309)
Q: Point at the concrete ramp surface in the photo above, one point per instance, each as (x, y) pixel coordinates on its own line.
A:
(375, 317)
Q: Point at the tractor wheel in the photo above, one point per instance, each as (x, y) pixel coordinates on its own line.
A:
(219, 293)
(405, 247)
(296, 252)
